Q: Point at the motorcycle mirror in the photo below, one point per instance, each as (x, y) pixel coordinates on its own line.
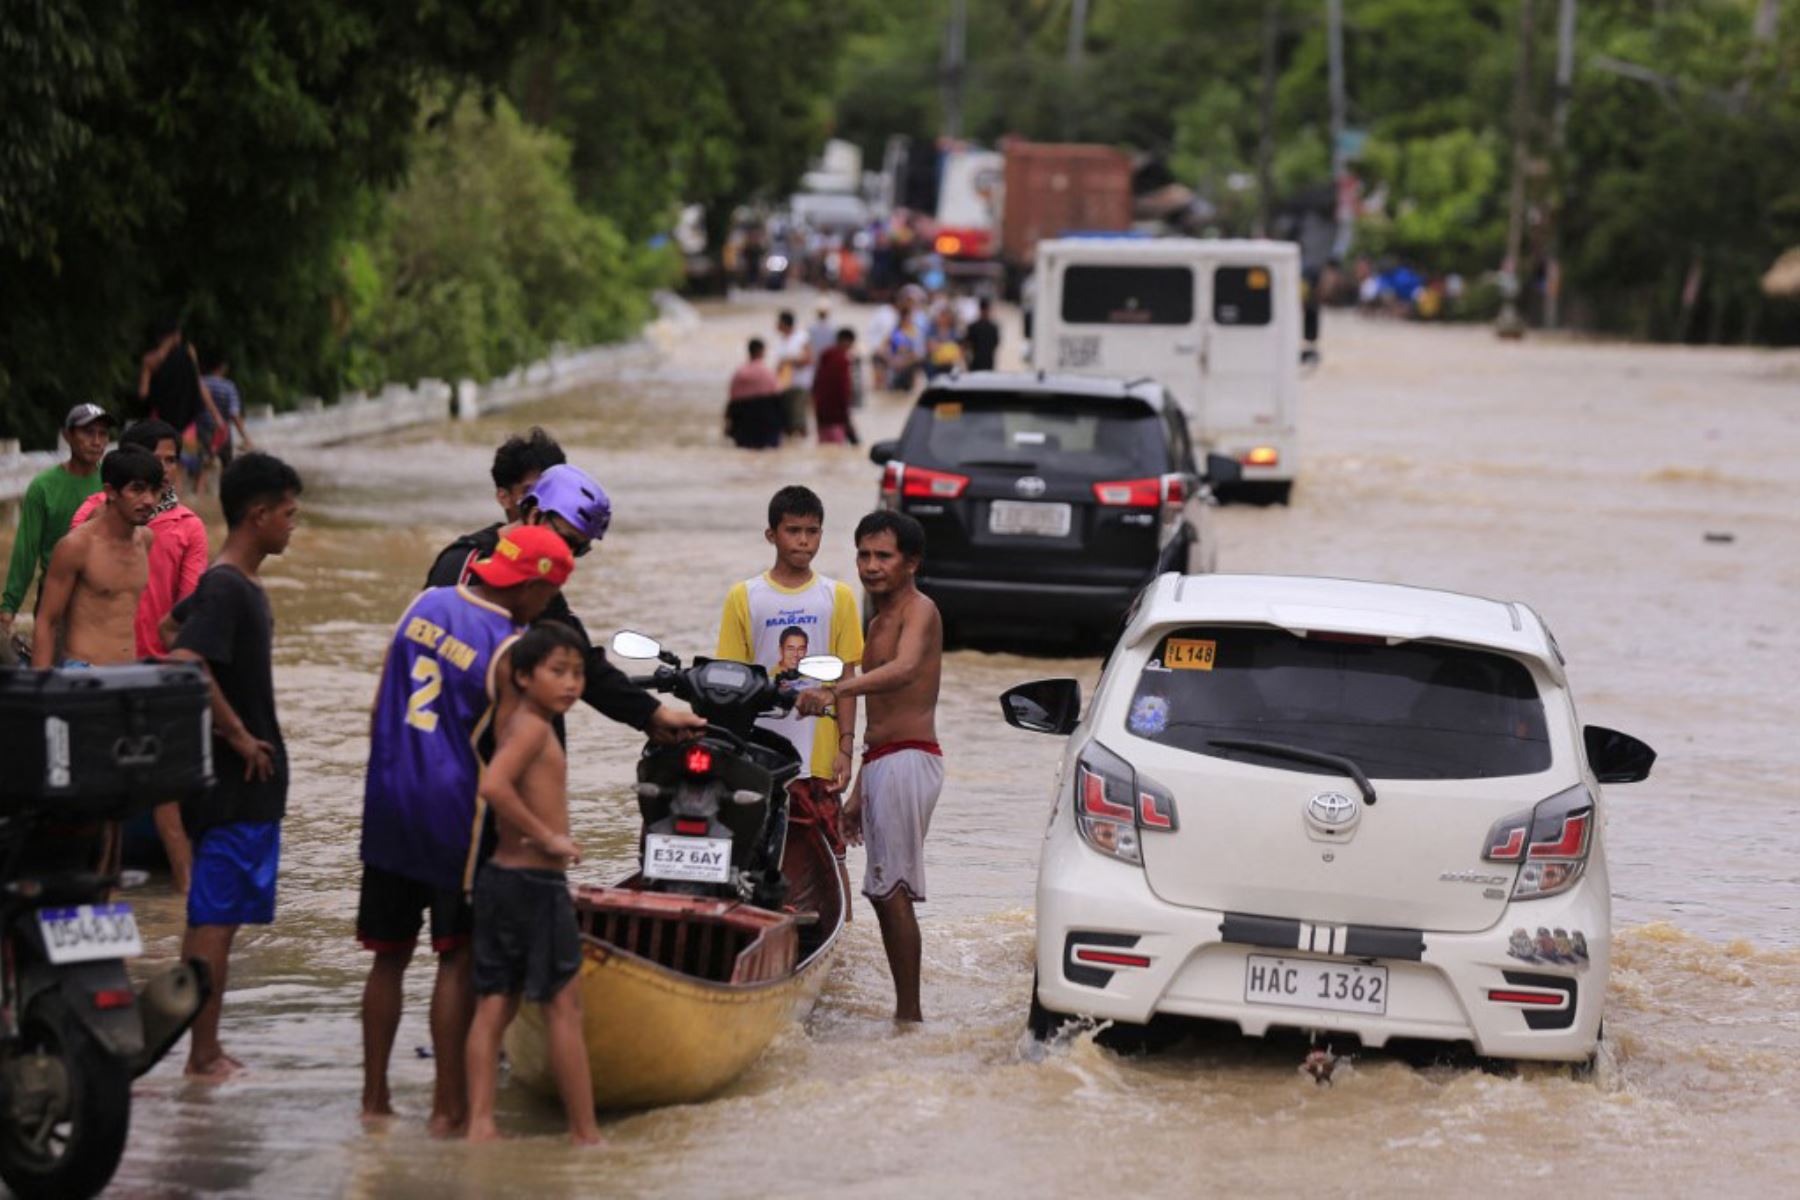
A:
(826, 668)
(629, 644)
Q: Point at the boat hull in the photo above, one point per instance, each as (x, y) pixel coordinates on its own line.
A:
(659, 1036)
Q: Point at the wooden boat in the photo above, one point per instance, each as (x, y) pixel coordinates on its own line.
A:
(679, 994)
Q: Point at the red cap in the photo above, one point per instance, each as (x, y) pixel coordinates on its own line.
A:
(525, 553)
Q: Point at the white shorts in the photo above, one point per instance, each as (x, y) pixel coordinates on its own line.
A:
(899, 792)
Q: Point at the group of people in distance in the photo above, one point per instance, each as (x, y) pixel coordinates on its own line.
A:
(813, 376)
(481, 672)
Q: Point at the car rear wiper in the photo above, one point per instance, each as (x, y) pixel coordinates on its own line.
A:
(1302, 754)
(1020, 464)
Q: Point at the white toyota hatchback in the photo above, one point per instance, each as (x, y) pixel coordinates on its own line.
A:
(1331, 806)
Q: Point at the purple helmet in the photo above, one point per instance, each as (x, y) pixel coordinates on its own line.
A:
(576, 497)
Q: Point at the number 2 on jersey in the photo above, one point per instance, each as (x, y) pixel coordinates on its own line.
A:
(418, 706)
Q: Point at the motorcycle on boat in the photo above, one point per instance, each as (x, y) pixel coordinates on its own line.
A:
(86, 748)
(715, 809)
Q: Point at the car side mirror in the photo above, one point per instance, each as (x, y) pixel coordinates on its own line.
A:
(1616, 757)
(629, 644)
(882, 453)
(1222, 468)
(825, 668)
(1043, 706)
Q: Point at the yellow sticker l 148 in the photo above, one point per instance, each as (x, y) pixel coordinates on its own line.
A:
(1189, 654)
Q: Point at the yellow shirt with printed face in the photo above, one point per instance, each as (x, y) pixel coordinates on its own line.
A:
(775, 627)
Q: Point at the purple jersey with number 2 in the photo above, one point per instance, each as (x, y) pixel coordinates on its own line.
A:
(421, 812)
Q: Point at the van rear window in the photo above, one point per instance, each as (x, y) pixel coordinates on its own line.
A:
(1418, 710)
(1094, 295)
(1241, 296)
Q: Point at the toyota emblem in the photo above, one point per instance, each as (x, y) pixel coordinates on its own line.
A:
(1031, 485)
(1331, 808)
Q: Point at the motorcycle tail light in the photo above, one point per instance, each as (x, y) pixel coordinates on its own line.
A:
(1551, 841)
(1105, 814)
(111, 998)
(691, 827)
(699, 760)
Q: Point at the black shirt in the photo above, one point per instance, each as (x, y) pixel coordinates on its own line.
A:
(228, 623)
(609, 691)
(175, 389)
(984, 339)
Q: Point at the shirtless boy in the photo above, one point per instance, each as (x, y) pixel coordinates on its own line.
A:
(98, 571)
(526, 940)
(903, 767)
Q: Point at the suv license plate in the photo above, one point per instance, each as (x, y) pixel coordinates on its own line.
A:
(1022, 516)
(688, 859)
(1309, 983)
(92, 931)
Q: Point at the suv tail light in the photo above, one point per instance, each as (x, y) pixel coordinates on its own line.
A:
(1114, 805)
(923, 484)
(1167, 492)
(1552, 841)
(892, 476)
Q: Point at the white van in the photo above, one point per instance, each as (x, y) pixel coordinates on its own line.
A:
(1217, 322)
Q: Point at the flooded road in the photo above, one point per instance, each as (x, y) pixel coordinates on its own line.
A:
(1581, 479)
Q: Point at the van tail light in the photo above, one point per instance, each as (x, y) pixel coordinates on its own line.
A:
(1551, 841)
(1114, 806)
(892, 476)
(922, 484)
(1260, 456)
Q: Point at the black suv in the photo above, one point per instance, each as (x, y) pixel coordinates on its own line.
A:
(1048, 500)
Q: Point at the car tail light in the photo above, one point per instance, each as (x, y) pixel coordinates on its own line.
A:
(924, 484)
(1130, 493)
(1551, 841)
(893, 475)
(1114, 806)
(1168, 492)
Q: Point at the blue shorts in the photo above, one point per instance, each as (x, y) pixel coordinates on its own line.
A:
(234, 874)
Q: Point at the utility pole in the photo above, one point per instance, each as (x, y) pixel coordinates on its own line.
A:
(1078, 14)
(1340, 170)
(1265, 146)
(1510, 324)
(1559, 134)
(955, 45)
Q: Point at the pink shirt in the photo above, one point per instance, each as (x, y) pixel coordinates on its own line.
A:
(753, 379)
(177, 560)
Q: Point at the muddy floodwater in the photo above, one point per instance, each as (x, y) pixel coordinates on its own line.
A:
(1583, 479)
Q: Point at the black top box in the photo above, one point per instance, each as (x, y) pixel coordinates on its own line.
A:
(104, 742)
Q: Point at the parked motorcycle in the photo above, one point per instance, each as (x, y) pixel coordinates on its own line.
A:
(715, 809)
(85, 749)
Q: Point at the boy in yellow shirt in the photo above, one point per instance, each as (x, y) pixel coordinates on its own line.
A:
(791, 607)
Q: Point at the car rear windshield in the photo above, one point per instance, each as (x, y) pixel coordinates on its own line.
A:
(1418, 710)
(1038, 432)
(1128, 296)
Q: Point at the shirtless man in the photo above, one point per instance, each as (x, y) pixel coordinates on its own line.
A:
(98, 571)
(903, 767)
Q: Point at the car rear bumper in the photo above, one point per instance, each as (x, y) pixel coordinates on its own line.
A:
(1031, 603)
(1453, 990)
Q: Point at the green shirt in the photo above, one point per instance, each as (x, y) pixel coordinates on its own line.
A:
(44, 515)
